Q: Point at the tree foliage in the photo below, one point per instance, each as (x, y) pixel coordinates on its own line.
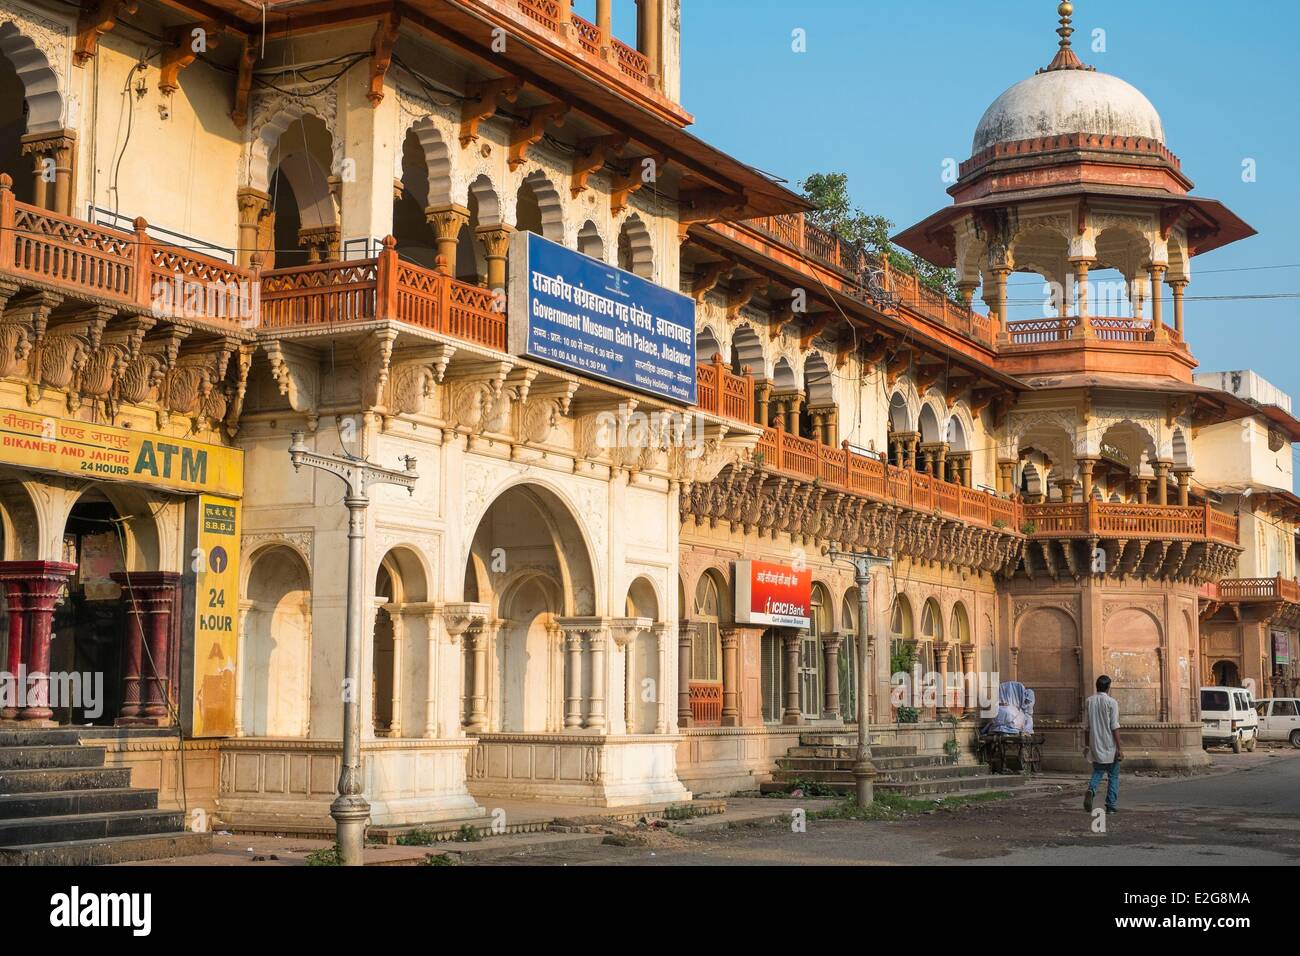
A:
(834, 211)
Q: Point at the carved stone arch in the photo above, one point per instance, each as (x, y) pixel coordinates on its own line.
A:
(747, 350)
(20, 520)
(483, 190)
(636, 247)
(310, 185)
(437, 156)
(904, 406)
(819, 384)
(31, 60)
(149, 544)
(959, 432)
(643, 597)
(408, 571)
(928, 422)
(1132, 437)
(590, 242)
(721, 575)
(1042, 248)
(566, 523)
(1180, 448)
(253, 546)
(784, 378)
(275, 113)
(707, 345)
(550, 208)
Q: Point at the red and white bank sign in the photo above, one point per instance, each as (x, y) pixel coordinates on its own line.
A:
(774, 595)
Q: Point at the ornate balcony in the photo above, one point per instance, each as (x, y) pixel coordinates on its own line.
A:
(823, 495)
(1167, 542)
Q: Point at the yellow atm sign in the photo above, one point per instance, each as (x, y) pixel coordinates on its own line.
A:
(119, 454)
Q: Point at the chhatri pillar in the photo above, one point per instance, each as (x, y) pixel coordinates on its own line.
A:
(43, 587)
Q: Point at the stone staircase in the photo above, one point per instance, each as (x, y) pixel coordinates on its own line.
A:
(826, 759)
(60, 806)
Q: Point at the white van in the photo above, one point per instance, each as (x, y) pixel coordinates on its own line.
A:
(1228, 717)
(1279, 719)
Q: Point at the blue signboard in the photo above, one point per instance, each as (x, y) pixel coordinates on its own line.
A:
(588, 317)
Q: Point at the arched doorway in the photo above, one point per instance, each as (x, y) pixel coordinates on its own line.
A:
(273, 696)
(31, 104)
(303, 225)
(529, 562)
(646, 669)
(1226, 674)
(397, 696)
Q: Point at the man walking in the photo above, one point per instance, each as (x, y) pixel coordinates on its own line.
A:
(1101, 743)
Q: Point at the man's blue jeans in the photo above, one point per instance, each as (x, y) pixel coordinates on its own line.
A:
(1112, 787)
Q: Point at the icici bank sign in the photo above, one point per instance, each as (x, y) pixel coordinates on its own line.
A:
(773, 595)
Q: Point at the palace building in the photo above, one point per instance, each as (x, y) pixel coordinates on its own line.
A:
(645, 399)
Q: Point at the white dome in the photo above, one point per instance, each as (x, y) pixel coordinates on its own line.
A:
(1068, 101)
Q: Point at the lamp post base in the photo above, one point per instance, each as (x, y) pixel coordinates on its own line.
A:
(350, 814)
(864, 775)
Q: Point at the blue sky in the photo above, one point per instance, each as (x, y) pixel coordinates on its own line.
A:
(887, 90)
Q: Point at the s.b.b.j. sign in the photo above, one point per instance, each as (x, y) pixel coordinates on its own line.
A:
(593, 319)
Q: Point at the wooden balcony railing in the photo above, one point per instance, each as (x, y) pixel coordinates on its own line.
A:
(546, 14)
(1256, 589)
(872, 478)
(706, 703)
(1104, 329)
(721, 392)
(332, 293)
(80, 258)
(1121, 520)
(794, 230)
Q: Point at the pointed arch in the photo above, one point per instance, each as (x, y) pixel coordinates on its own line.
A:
(45, 103)
(539, 208)
(636, 248)
(591, 242)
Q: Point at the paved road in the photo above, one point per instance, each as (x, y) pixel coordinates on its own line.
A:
(1245, 812)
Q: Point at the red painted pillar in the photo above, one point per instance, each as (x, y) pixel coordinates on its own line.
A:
(150, 597)
(15, 652)
(45, 581)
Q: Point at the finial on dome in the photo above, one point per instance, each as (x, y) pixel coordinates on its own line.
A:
(1065, 58)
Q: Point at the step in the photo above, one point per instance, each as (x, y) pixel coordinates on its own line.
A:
(44, 757)
(907, 774)
(47, 804)
(101, 852)
(983, 781)
(89, 826)
(67, 736)
(793, 761)
(63, 778)
(830, 739)
(877, 750)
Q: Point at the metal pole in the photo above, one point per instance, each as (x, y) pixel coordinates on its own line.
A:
(863, 771)
(350, 809)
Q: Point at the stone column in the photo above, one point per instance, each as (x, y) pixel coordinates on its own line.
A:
(662, 633)
(596, 709)
(447, 222)
(685, 642)
(44, 589)
(650, 11)
(253, 205)
(15, 655)
(496, 248)
(1161, 469)
(573, 694)
(395, 723)
(730, 668)
(1157, 273)
(433, 665)
(51, 168)
(1007, 475)
(477, 638)
(969, 679)
(941, 649)
(790, 642)
(1081, 267)
(831, 662)
(763, 402)
(245, 610)
(1180, 287)
(150, 596)
(1142, 485)
(999, 314)
(1184, 476)
(605, 26)
(1086, 467)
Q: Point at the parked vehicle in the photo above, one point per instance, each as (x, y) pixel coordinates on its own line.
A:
(1279, 719)
(1228, 717)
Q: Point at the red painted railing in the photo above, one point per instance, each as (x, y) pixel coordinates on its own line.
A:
(78, 257)
(1121, 520)
(794, 230)
(706, 703)
(721, 392)
(385, 287)
(1103, 328)
(872, 478)
(1256, 589)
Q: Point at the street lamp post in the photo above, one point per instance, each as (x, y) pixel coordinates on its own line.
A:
(350, 809)
(863, 771)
